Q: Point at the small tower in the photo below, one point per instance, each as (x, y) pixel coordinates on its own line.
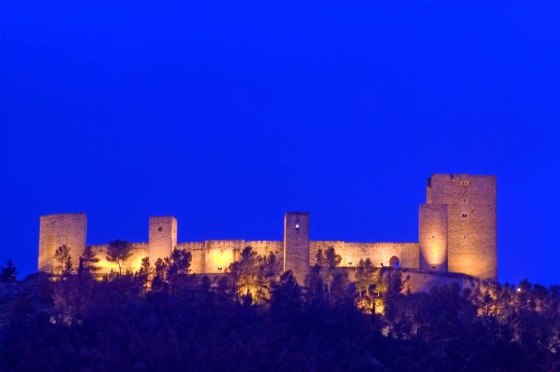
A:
(296, 244)
(55, 230)
(433, 237)
(163, 237)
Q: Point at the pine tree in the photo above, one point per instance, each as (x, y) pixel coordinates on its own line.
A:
(88, 262)
(63, 261)
(9, 272)
(118, 252)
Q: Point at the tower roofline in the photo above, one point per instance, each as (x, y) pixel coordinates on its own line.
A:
(64, 214)
(453, 175)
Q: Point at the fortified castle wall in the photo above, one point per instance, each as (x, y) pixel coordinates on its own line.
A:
(457, 233)
(380, 254)
(215, 256)
(139, 251)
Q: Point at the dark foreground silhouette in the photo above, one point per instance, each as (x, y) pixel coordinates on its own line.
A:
(193, 323)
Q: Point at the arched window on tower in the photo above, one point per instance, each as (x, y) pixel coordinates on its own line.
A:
(394, 262)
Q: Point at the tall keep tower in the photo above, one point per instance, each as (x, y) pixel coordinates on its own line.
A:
(471, 221)
(61, 229)
(163, 237)
(296, 244)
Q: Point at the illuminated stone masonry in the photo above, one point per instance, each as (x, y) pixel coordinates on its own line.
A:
(457, 233)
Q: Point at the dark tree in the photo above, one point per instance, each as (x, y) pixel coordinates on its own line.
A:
(178, 266)
(63, 261)
(159, 282)
(179, 263)
(286, 299)
(145, 272)
(315, 294)
(8, 273)
(326, 280)
(72, 297)
(118, 252)
(145, 267)
(367, 278)
(390, 289)
(253, 275)
(88, 262)
(328, 262)
(112, 325)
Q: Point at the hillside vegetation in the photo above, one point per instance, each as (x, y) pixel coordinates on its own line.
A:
(254, 319)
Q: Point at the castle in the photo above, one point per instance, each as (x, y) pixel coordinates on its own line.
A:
(457, 233)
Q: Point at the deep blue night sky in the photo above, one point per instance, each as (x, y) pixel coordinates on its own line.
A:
(227, 114)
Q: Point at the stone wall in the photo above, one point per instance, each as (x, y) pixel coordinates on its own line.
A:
(132, 265)
(61, 229)
(219, 254)
(457, 233)
(379, 253)
(215, 256)
(266, 247)
(471, 203)
(197, 253)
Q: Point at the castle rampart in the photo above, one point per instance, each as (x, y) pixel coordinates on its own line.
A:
(380, 254)
(215, 256)
(457, 233)
(132, 264)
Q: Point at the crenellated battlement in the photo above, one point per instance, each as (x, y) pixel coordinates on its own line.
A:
(457, 233)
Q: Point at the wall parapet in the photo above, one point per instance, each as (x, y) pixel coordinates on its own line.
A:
(457, 233)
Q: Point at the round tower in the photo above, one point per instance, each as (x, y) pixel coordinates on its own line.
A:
(433, 237)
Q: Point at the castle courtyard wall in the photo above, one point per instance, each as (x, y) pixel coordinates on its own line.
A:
(215, 256)
(132, 265)
(379, 253)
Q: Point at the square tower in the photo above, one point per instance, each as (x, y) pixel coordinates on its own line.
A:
(471, 221)
(55, 230)
(163, 237)
(296, 244)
